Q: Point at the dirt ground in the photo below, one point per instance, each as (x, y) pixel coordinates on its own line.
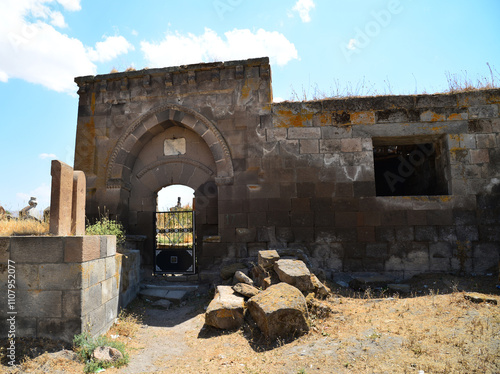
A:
(433, 330)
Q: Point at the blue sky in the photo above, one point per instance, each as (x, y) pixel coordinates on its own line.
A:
(316, 47)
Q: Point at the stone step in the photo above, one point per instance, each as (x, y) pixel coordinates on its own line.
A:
(175, 296)
(172, 287)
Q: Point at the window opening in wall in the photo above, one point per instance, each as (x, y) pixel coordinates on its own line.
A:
(175, 235)
(410, 166)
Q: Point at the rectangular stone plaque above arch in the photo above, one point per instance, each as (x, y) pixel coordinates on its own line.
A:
(174, 147)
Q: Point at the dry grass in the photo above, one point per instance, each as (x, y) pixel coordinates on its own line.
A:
(23, 227)
(436, 334)
(433, 333)
(457, 82)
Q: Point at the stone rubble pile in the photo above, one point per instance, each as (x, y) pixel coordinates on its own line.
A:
(272, 293)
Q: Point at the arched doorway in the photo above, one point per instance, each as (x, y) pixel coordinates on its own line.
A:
(175, 231)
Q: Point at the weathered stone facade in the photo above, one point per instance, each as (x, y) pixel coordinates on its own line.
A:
(319, 175)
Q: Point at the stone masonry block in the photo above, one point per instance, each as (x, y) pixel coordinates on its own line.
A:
(309, 146)
(112, 309)
(110, 264)
(41, 249)
(39, 304)
(78, 203)
(304, 133)
(72, 304)
(81, 248)
(60, 276)
(483, 111)
(329, 145)
(108, 245)
(59, 328)
(351, 145)
(91, 298)
(363, 118)
(479, 156)
(4, 249)
(27, 277)
(107, 290)
(96, 271)
(61, 198)
(486, 140)
(95, 320)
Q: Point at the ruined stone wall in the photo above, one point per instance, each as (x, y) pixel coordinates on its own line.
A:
(319, 191)
(396, 184)
(63, 286)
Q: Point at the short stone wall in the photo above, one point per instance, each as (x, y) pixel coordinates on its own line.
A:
(64, 285)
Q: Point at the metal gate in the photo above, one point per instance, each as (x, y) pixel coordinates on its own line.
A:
(175, 244)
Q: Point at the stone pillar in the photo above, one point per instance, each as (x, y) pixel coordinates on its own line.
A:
(61, 197)
(78, 204)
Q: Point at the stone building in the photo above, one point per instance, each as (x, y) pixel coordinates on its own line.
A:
(394, 184)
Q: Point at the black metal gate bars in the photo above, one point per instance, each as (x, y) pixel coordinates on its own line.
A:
(175, 243)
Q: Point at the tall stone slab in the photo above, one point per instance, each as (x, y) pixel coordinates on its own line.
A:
(61, 198)
(78, 203)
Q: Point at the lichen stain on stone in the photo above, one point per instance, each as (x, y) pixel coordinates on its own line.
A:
(363, 118)
(455, 117)
(251, 84)
(287, 118)
(92, 103)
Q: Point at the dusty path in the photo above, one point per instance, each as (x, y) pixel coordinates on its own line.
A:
(163, 338)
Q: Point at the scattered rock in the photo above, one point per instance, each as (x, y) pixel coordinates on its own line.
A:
(272, 278)
(295, 273)
(225, 311)
(267, 259)
(479, 298)
(295, 253)
(258, 275)
(317, 307)
(403, 289)
(320, 289)
(107, 354)
(243, 278)
(245, 289)
(228, 271)
(370, 281)
(279, 311)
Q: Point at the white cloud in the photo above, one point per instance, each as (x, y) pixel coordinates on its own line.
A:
(57, 20)
(71, 5)
(33, 50)
(177, 49)
(43, 156)
(303, 7)
(111, 47)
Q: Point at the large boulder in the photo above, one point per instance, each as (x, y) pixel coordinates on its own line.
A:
(279, 311)
(266, 259)
(320, 289)
(226, 309)
(245, 289)
(241, 277)
(295, 273)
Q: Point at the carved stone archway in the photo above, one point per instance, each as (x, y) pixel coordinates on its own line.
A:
(150, 124)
